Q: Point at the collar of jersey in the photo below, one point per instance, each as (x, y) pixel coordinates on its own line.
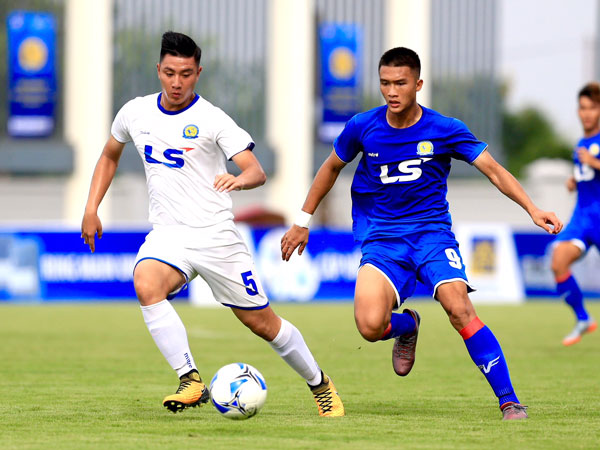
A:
(179, 111)
(594, 137)
(418, 123)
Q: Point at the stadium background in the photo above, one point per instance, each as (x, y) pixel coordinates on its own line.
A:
(277, 84)
(86, 374)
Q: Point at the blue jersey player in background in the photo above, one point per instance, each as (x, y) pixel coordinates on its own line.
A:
(400, 216)
(582, 231)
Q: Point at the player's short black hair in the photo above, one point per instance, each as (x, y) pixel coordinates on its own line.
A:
(591, 91)
(401, 56)
(179, 44)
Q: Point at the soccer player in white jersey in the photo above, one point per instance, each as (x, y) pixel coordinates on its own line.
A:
(184, 142)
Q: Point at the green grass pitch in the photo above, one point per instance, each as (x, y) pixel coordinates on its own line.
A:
(89, 376)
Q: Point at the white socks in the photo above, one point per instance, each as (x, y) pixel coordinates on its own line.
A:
(290, 345)
(170, 336)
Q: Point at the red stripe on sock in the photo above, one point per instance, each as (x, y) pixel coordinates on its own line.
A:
(387, 331)
(563, 278)
(474, 326)
(504, 405)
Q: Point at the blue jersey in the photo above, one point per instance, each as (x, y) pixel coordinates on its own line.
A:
(588, 178)
(401, 179)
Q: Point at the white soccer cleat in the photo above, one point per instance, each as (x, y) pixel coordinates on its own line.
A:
(581, 327)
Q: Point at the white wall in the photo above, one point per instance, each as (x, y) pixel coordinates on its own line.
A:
(87, 117)
(290, 101)
(88, 95)
(39, 201)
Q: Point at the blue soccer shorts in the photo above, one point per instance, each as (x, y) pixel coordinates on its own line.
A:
(431, 257)
(583, 231)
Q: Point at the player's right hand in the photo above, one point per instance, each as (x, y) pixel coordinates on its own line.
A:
(571, 184)
(90, 225)
(296, 237)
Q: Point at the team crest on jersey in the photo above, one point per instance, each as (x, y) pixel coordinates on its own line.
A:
(594, 149)
(190, 132)
(424, 148)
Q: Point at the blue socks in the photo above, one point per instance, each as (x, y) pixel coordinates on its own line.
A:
(399, 324)
(569, 289)
(486, 353)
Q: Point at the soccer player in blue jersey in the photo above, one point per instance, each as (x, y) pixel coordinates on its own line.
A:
(400, 216)
(582, 231)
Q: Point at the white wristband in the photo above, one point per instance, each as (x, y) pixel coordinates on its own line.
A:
(303, 219)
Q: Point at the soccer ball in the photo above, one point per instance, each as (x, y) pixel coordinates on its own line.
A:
(238, 391)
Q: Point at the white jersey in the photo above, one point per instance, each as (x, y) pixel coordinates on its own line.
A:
(183, 151)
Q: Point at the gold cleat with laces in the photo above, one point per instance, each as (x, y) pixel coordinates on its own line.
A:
(192, 392)
(327, 399)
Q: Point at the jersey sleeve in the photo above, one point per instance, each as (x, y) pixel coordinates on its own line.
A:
(347, 144)
(230, 137)
(465, 146)
(120, 126)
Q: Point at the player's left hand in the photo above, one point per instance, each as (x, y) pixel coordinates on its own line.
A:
(547, 220)
(227, 183)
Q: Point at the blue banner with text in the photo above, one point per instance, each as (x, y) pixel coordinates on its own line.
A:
(32, 78)
(52, 265)
(340, 46)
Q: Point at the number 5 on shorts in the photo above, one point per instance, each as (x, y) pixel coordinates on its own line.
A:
(249, 282)
(453, 258)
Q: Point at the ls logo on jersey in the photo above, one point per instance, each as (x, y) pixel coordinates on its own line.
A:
(488, 367)
(171, 155)
(409, 169)
(190, 131)
(425, 148)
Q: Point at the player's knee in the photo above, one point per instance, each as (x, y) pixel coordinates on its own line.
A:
(145, 295)
(460, 315)
(563, 256)
(370, 334)
(558, 266)
(146, 290)
(370, 328)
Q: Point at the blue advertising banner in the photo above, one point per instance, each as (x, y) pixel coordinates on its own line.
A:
(56, 265)
(31, 73)
(48, 265)
(51, 265)
(340, 76)
(326, 270)
(534, 251)
(43, 265)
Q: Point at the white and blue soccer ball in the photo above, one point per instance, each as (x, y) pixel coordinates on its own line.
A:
(238, 391)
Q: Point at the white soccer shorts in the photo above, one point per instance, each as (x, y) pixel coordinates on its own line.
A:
(218, 254)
